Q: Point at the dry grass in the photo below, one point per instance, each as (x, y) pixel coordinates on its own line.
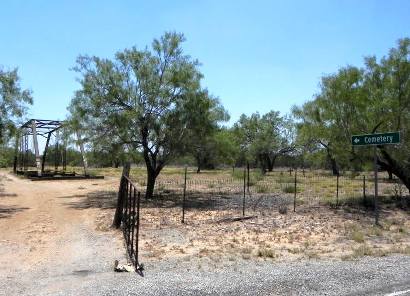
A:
(315, 231)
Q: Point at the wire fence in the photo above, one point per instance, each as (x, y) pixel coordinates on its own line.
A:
(196, 198)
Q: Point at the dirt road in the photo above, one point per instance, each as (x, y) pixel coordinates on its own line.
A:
(50, 229)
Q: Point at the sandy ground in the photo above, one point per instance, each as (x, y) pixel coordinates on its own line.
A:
(52, 228)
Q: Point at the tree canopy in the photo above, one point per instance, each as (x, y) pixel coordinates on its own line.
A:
(143, 99)
(374, 98)
(263, 138)
(13, 102)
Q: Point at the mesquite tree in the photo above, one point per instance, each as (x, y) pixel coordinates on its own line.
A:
(264, 138)
(374, 98)
(142, 99)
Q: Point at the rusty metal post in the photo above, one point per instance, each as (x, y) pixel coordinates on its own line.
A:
(337, 190)
(294, 195)
(134, 216)
(244, 192)
(183, 197)
(248, 181)
(376, 188)
(137, 264)
(120, 198)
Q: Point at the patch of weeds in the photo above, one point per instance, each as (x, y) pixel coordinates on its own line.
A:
(375, 230)
(238, 174)
(261, 188)
(286, 179)
(352, 201)
(283, 209)
(380, 253)
(246, 256)
(246, 250)
(362, 250)
(395, 221)
(203, 252)
(405, 250)
(295, 250)
(312, 255)
(211, 185)
(289, 189)
(357, 236)
(387, 225)
(266, 253)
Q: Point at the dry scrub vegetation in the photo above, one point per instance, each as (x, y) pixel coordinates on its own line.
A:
(317, 230)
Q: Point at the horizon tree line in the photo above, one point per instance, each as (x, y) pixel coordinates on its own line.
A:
(150, 105)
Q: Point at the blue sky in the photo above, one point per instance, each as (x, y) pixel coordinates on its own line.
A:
(255, 55)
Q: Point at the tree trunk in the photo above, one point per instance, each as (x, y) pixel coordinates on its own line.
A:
(198, 163)
(270, 161)
(401, 171)
(333, 163)
(151, 178)
(120, 200)
(390, 174)
(335, 169)
(262, 160)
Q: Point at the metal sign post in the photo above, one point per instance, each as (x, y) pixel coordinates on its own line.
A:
(376, 187)
(374, 140)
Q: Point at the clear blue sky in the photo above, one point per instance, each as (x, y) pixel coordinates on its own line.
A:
(256, 55)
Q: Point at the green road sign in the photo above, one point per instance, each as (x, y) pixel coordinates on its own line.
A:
(376, 139)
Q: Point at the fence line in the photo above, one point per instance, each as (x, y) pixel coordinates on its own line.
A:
(201, 197)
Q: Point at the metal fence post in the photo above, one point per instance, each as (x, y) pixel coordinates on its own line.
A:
(138, 231)
(248, 183)
(337, 190)
(376, 188)
(133, 221)
(183, 197)
(294, 196)
(244, 192)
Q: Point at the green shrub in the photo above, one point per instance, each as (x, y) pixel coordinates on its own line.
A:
(289, 189)
(266, 253)
(261, 188)
(286, 179)
(357, 236)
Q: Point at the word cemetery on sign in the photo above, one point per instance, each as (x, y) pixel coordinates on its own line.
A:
(376, 139)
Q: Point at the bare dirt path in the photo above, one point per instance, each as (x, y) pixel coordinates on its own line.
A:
(48, 229)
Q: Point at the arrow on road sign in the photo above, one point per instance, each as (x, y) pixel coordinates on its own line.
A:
(376, 139)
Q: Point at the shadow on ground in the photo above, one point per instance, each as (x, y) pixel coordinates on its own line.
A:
(2, 194)
(108, 200)
(8, 211)
(97, 199)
